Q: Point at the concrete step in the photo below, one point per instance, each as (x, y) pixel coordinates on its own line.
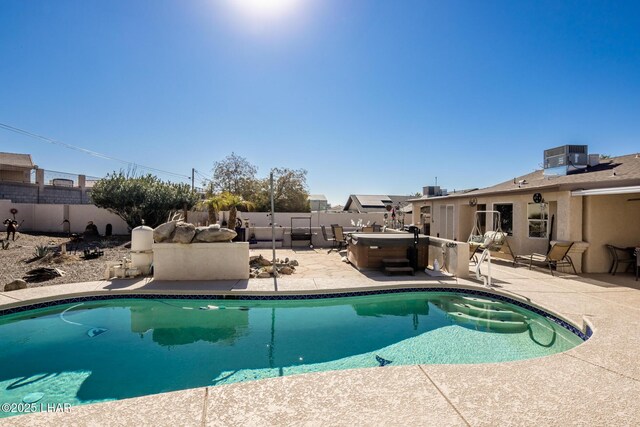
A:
(395, 262)
(391, 270)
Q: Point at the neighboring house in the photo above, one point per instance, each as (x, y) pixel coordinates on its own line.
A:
(587, 201)
(362, 203)
(318, 202)
(16, 183)
(16, 167)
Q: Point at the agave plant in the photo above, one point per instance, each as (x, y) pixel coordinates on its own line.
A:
(41, 251)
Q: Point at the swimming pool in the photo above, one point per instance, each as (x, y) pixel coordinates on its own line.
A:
(98, 350)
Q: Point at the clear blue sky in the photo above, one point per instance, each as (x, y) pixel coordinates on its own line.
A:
(376, 97)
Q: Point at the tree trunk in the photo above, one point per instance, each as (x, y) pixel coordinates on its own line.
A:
(213, 215)
(233, 212)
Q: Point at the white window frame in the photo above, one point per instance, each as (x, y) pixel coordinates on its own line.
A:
(545, 221)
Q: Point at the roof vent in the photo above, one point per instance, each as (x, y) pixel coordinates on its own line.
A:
(565, 159)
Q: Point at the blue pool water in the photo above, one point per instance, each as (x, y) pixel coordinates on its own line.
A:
(114, 349)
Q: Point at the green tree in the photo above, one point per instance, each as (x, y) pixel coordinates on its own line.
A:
(212, 204)
(146, 197)
(290, 192)
(235, 175)
(233, 202)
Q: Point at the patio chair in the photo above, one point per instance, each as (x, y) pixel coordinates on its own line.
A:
(557, 255)
(327, 238)
(338, 234)
(620, 256)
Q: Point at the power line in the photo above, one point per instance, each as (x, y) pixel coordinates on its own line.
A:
(89, 152)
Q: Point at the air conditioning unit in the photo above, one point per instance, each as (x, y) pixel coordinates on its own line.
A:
(565, 159)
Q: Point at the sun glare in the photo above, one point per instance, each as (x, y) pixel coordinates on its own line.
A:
(266, 9)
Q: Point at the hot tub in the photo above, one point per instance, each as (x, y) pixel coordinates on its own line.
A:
(367, 250)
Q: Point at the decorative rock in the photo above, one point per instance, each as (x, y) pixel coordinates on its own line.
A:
(293, 263)
(214, 234)
(15, 285)
(286, 270)
(264, 275)
(164, 232)
(264, 262)
(184, 232)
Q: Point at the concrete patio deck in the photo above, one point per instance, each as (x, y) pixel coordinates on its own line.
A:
(596, 383)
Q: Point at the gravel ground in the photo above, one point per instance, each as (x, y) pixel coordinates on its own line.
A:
(19, 258)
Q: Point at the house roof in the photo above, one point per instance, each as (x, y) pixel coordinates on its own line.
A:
(317, 197)
(615, 172)
(16, 161)
(373, 203)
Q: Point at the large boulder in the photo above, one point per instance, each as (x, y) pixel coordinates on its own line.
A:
(213, 234)
(15, 285)
(164, 232)
(184, 232)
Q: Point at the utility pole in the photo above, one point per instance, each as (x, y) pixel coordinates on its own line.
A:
(193, 181)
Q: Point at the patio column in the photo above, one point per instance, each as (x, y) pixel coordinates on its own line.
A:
(569, 226)
(569, 218)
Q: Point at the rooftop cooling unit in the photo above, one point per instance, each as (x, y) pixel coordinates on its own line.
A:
(433, 191)
(566, 159)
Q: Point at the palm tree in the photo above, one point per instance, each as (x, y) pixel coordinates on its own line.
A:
(213, 205)
(233, 202)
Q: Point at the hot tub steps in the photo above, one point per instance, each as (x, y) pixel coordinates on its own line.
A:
(396, 266)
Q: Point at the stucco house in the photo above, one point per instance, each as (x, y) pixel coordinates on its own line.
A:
(16, 167)
(363, 203)
(591, 202)
(318, 202)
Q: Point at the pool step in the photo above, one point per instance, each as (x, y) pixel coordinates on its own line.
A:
(480, 302)
(512, 326)
(492, 313)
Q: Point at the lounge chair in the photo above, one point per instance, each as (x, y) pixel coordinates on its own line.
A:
(327, 238)
(557, 255)
(620, 256)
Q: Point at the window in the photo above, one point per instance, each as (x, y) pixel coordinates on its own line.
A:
(537, 217)
(506, 217)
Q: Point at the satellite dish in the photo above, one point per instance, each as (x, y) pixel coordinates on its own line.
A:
(537, 198)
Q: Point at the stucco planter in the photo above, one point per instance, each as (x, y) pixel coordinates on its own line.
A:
(201, 261)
